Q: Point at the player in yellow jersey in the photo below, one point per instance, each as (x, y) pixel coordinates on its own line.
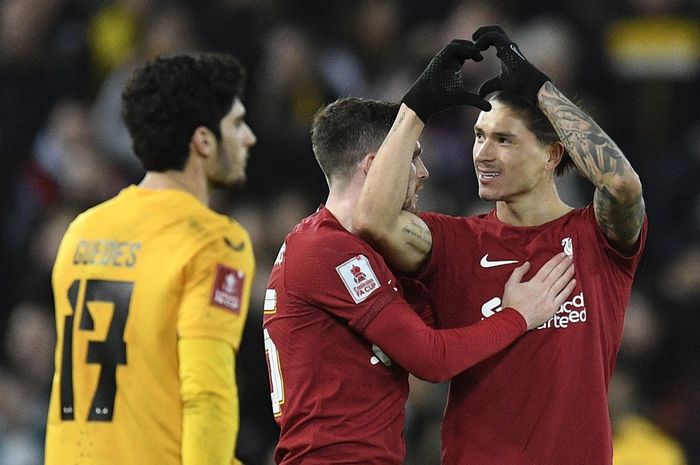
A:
(152, 287)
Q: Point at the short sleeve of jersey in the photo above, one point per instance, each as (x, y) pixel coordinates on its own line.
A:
(341, 275)
(216, 291)
(627, 262)
(438, 253)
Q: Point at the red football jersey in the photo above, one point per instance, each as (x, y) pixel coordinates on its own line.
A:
(336, 397)
(543, 400)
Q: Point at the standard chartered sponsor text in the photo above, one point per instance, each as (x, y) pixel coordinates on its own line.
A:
(570, 312)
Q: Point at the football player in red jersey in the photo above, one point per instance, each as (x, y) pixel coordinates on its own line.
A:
(341, 334)
(543, 400)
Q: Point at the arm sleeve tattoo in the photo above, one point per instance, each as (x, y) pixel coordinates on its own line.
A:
(618, 198)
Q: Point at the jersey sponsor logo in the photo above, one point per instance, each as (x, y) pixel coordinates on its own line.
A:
(491, 306)
(358, 277)
(228, 288)
(568, 246)
(570, 312)
(486, 263)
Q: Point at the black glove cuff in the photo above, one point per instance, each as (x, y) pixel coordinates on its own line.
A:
(423, 110)
(533, 85)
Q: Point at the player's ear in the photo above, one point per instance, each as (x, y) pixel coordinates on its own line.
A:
(203, 142)
(556, 152)
(367, 162)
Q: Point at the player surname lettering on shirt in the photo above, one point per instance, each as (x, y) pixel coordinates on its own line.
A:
(106, 252)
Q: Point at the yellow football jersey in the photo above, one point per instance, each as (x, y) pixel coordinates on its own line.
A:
(638, 441)
(132, 276)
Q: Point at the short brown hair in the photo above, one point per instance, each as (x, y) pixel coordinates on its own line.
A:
(346, 130)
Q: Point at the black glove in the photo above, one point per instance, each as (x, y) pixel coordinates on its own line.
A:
(440, 86)
(517, 74)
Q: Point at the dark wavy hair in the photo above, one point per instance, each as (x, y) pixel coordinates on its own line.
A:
(346, 130)
(168, 98)
(537, 123)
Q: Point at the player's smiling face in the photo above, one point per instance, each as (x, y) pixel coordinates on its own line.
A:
(509, 161)
(232, 152)
(417, 176)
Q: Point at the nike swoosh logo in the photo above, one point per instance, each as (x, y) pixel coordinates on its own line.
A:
(235, 247)
(517, 52)
(486, 263)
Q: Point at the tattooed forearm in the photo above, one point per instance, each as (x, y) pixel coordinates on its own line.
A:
(618, 198)
(399, 119)
(592, 150)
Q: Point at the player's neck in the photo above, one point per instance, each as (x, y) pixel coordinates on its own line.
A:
(192, 179)
(532, 209)
(179, 180)
(341, 203)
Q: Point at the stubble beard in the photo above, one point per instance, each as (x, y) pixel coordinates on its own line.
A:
(221, 179)
(226, 184)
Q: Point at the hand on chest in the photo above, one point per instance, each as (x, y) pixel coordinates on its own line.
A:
(495, 260)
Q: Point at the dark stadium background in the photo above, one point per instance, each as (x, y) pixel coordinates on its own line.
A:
(634, 65)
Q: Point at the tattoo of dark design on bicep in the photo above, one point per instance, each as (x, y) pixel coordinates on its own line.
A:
(620, 222)
(416, 235)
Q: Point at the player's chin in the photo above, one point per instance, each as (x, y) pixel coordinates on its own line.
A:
(487, 194)
(228, 182)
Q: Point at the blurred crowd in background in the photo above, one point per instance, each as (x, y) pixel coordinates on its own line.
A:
(634, 65)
